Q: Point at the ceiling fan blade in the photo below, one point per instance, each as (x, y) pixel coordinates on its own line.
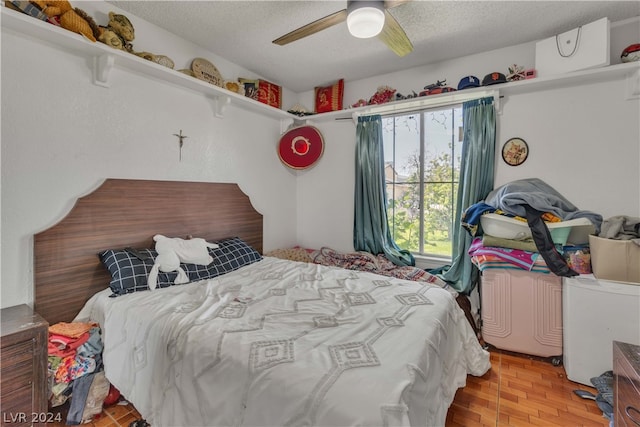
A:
(394, 36)
(388, 4)
(312, 28)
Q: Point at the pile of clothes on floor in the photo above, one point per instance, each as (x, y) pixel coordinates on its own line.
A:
(76, 371)
(536, 203)
(604, 398)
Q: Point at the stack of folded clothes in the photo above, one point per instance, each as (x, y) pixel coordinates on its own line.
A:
(76, 370)
(546, 217)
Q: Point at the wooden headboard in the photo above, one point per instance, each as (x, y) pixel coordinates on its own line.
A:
(128, 213)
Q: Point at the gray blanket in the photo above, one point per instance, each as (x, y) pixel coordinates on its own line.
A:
(621, 227)
(513, 196)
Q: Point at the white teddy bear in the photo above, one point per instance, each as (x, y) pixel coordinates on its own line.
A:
(173, 251)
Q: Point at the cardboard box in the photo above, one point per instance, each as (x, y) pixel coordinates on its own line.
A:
(617, 260)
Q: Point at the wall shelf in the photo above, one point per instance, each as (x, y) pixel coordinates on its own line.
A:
(629, 71)
(407, 105)
(105, 58)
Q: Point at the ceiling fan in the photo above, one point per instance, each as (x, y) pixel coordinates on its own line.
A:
(364, 16)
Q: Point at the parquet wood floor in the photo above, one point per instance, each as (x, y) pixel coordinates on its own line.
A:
(522, 391)
(111, 416)
(518, 391)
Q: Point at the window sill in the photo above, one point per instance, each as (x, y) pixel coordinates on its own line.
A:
(428, 262)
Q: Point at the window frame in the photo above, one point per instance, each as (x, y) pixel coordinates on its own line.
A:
(422, 112)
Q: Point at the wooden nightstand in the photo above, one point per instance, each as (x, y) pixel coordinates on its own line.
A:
(23, 367)
(626, 388)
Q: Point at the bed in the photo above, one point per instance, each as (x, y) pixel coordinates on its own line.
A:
(271, 343)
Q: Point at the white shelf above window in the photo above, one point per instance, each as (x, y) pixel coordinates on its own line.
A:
(105, 58)
(407, 105)
(629, 71)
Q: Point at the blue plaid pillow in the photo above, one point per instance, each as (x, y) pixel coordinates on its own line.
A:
(231, 254)
(130, 268)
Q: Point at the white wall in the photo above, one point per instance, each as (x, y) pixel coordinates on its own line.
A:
(62, 136)
(325, 192)
(584, 141)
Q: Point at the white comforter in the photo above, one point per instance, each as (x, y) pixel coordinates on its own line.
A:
(282, 343)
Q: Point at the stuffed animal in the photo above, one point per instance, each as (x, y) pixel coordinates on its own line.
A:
(71, 19)
(122, 26)
(119, 32)
(383, 94)
(110, 38)
(53, 7)
(173, 251)
(78, 21)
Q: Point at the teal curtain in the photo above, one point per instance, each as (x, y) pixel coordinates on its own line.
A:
(476, 181)
(371, 230)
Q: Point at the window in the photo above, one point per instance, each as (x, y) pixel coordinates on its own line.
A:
(422, 152)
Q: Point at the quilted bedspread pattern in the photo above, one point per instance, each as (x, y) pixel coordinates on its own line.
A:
(283, 343)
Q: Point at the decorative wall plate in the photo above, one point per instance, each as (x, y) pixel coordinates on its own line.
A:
(164, 61)
(515, 151)
(205, 70)
(301, 147)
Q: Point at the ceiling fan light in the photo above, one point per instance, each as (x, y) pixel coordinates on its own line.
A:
(365, 19)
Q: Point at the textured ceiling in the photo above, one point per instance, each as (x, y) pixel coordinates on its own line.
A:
(242, 31)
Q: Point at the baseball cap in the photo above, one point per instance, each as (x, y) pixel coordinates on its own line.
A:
(493, 78)
(469, 81)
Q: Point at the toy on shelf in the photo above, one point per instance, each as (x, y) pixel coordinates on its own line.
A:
(516, 72)
(437, 88)
(383, 94)
(60, 12)
(412, 95)
(233, 86)
(29, 9)
(631, 53)
(110, 38)
(158, 59)
(119, 33)
(300, 111)
(122, 26)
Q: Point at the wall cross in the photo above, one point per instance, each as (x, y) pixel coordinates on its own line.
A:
(181, 138)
